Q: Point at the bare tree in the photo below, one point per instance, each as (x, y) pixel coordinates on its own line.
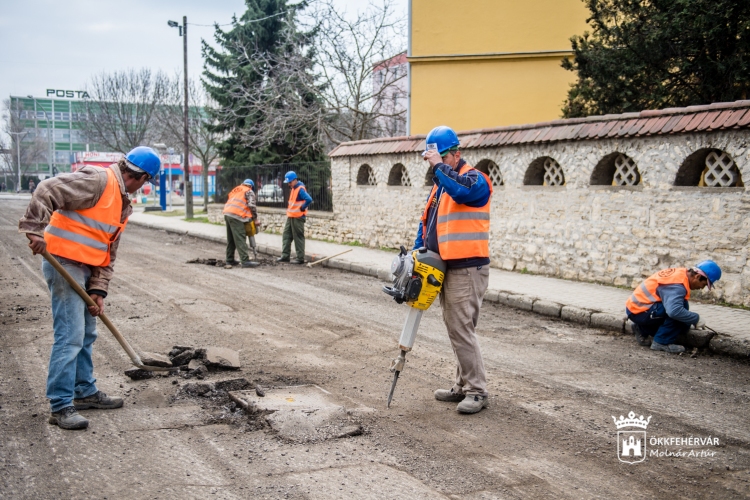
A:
(32, 148)
(121, 106)
(340, 85)
(202, 136)
(352, 54)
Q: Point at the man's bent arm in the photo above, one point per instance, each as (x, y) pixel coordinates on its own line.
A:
(469, 189)
(75, 191)
(673, 298)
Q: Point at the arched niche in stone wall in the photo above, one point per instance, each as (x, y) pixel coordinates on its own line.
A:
(366, 176)
(544, 171)
(428, 177)
(616, 169)
(709, 167)
(399, 176)
(492, 170)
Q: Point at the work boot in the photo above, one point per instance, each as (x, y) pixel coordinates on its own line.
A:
(232, 262)
(450, 396)
(640, 337)
(98, 401)
(298, 262)
(68, 418)
(673, 348)
(473, 403)
(248, 263)
(282, 259)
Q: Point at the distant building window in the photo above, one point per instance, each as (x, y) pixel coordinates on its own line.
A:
(366, 176)
(399, 176)
(492, 171)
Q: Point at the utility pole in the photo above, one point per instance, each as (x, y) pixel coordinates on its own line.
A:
(186, 147)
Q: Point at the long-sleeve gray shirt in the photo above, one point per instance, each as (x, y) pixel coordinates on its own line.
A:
(673, 298)
(75, 191)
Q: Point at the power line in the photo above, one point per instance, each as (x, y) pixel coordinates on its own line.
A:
(246, 22)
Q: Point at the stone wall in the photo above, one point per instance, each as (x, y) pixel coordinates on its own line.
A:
(318, 225)
(599, 233)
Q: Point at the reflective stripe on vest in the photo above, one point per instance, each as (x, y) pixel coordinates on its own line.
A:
(294, 209)
(86, 235)
(463, 232)
(237, 202)
(644, 296)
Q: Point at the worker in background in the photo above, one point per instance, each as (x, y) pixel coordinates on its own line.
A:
(296, 215)
(239, 209)
(79, 217)
(659, 306)
(456, 224)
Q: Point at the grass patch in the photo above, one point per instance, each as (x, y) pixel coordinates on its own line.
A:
(173, 213)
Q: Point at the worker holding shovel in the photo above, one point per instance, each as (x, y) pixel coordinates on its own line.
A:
(78, 218)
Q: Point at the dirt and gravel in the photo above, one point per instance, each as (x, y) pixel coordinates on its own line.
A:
(548, 432)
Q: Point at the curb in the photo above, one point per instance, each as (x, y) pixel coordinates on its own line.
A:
(718, 344)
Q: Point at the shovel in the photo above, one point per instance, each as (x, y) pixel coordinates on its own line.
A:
(134, 358)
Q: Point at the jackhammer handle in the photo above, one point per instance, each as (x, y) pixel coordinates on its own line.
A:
(89, 301)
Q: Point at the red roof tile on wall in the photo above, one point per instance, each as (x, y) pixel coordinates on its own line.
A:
(716, 116)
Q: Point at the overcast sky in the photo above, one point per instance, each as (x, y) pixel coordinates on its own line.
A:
(60, 44)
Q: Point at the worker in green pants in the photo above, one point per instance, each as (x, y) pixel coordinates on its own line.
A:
(296, 215)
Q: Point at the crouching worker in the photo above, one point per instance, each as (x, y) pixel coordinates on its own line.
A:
(659, 306)
(78, 218)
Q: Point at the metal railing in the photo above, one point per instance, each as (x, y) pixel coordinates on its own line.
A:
(270, 189)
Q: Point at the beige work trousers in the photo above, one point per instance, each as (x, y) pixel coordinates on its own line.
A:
(461, 299)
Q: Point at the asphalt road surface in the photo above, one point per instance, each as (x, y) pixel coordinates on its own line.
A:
(548, 433)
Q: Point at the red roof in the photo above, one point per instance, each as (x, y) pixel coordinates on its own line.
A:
(716, 116)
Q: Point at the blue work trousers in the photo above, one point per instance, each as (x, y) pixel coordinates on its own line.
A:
(71, 369)
(655, 321)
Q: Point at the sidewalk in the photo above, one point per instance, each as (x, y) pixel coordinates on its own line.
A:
(587, 303)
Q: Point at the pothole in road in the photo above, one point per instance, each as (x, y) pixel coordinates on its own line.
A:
(303, 413)
(296, 413)
(202, 306)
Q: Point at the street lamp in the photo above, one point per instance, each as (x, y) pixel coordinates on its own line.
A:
(49, 137)
(186, 145)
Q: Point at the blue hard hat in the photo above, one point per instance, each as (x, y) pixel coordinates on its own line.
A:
(289, 176)
(145, 159)
(249, 182)
(444, 137)
(711, 270)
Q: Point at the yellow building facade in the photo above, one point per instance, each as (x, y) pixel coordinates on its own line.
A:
(488, 63)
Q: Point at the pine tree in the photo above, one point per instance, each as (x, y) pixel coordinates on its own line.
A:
(264, 27)
(660, 53)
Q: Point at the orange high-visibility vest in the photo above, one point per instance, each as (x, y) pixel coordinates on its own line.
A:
(237, 202)
(86, 235)
(462, 231)
(645, 294)
(294, 209)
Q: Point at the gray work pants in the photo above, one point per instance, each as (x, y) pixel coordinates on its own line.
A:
(460, 299)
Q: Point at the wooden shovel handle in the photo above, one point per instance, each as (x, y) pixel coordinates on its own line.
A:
(89, 301)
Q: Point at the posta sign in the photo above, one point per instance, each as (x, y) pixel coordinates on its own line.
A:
(80, 94)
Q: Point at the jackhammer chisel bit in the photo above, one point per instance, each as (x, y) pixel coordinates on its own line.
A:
(396, 367)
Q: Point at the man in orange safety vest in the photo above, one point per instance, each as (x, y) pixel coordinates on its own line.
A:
(78, 217)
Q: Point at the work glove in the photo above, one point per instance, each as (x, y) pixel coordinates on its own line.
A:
(701, 324)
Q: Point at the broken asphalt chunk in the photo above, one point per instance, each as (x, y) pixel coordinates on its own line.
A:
(222, 357)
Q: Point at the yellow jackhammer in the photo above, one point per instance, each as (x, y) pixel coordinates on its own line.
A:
(417, 279)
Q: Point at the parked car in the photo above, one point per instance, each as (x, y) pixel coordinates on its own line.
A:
(271, 193)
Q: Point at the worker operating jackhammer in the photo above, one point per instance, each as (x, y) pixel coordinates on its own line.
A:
(456, 224)
(78, 218)
(240, 209)
(659, 306)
